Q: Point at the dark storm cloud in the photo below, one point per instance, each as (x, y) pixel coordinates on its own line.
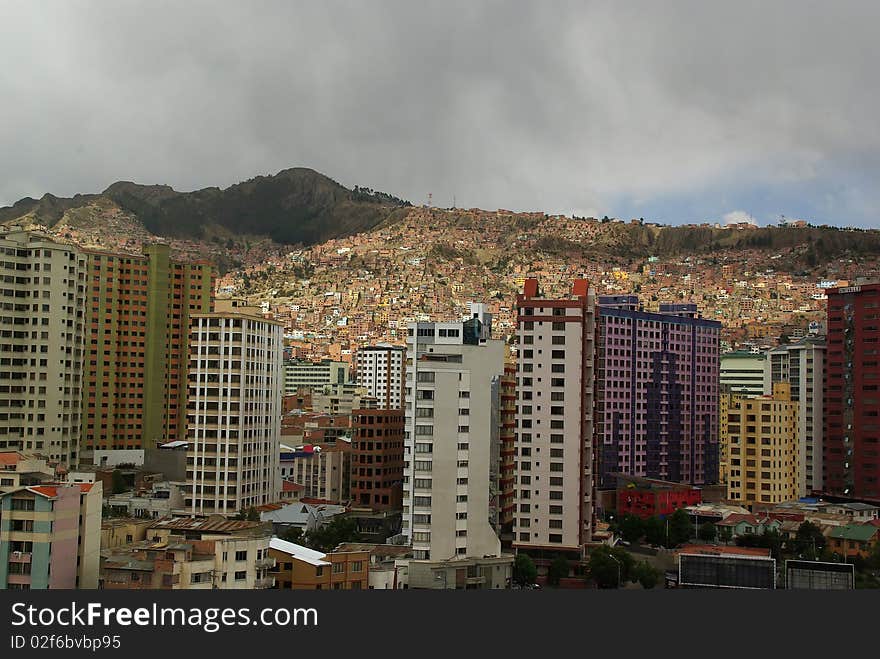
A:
(570, 107)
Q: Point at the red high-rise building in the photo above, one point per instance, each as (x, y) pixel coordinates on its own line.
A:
(377, 458)
(852, 393)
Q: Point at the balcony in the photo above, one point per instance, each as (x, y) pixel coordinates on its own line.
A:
(265, 563)
(265, 582)
(19, 557)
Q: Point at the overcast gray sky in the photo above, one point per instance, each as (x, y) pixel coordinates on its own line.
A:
(675, 111)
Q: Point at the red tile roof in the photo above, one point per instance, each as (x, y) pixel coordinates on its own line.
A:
(10, 458)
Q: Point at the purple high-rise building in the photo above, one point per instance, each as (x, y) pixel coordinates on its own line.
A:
(656, 392)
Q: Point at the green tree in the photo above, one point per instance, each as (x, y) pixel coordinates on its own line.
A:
(707, 532)
(292, 534)
(117, 483)
(557, 571)
(647, 575)
(524, 570)
(725, 534)
(253, 515)
(326, 538)
(681, 529)
(632, 528)
(610, 567)
(655, 530)
(809, 541)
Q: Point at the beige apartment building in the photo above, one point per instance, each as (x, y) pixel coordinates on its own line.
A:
(451, 422)
(554, 422)
(760, 439)
(42, 329)
(381, 369)
(233, 413)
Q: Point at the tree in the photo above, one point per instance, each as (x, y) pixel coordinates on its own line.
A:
(809, 541)
(253, 515)
(292, 534)
(655, 530)
(524, 570)
(326, 538)
(647, 575)
(609, 567)
(118, 482)
(681, 529)
(707, 532)
(557, 571)
(632, 528)
(725, 534)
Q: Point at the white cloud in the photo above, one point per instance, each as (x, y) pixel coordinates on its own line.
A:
(738, 217)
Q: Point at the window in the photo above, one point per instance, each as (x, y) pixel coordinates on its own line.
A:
(241, 556)
(339, 568)
(241, 576)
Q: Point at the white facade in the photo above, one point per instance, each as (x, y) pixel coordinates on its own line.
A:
(42, 344)
(554, 422)
(380, 369)
(448, 440)
(233, 413)
(802, 365)
(302, 373)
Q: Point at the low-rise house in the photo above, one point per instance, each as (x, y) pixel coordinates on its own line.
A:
(160, 500)
(241, 548)
(738, 524)
(301, 568)
(389, 564)
(306, 517)
(856, 511)
(173, 565)
(853, 540)
(121, 531)
(20, 470)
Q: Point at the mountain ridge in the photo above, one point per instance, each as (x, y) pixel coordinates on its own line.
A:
(295, 206)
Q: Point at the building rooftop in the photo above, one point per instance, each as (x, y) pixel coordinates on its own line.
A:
(857, 532)
(212, 524)
(310, 556)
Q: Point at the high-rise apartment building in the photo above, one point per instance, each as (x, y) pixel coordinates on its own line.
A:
(554, 419)
(852, 393)
(42, 330)
(507, 438)
(138, 323)
(657, 392)
(761, 444)
(802, 365)
(381, 370)
(377, 458)
(450, 427)
(233, 412)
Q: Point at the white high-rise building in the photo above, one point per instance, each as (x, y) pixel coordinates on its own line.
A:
(381, 370)
(554, 419)
(451, 424)
(802, 365)
(233, 412)
(42, 334)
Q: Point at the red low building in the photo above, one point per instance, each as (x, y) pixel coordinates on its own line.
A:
(645, 497)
